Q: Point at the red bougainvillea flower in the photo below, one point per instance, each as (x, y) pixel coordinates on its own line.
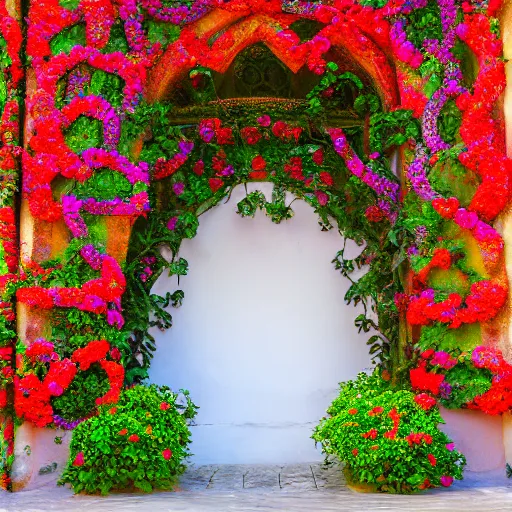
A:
(167, 454)
(432, 459)
(425, 485)
(134, 438)
(123, 432)
(164, 406)
(447, 208)
(3, 398)
(426, 402)
(426, 381)
(79, 459)
(371, 434)
(375, 411)
(355, 451)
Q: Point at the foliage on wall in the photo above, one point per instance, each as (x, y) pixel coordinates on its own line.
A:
(130, 125)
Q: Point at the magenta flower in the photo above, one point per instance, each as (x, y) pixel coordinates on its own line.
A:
(178, 188)
(171, 225)
(446, 480)
(115, 318)
(264, 121)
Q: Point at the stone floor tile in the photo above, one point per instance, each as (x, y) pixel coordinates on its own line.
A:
(328, 476)
(262, 477)
(297, 477)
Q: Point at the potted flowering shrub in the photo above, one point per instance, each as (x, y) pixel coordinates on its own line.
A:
(388, 439)
(140, 443)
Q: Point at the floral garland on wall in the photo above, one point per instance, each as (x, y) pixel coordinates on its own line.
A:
(101, 70)
(10, 152)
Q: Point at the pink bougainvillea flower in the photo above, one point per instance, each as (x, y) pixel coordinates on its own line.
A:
(450, 447)
(79, 459)
(167, 454)
(446, 480)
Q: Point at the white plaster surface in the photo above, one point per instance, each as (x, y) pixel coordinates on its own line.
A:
(478, 436)
(263, 336)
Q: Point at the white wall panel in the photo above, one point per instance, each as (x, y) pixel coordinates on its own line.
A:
(263, 336)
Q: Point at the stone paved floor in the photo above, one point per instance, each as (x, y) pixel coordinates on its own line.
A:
(294, 488)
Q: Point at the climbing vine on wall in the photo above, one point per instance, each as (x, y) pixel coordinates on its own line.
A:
(130, 121)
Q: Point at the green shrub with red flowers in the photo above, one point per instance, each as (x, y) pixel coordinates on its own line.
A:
(140, 443)
(389, 439)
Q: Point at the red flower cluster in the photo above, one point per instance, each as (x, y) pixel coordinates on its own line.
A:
(484, 301)
(425, 381)
(395, 418)
(8, 237)
(426, 402)
(417, 438)
(33, 396)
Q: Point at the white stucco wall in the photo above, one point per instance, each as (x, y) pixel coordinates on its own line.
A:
(263, 336)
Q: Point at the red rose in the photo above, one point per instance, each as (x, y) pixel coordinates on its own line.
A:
(258, 163)
(374, 214)
(164, 406)
(198, 167)
(115, 354)
(318, 156)
(326, 178)
(167, 454)
(215, 184)
(258, 175)
(225, 136)
(250, 134)
(134, 438)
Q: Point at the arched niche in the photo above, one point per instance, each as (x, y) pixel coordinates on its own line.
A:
(263, 336)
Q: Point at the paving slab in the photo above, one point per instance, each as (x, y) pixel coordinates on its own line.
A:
(262, 477)
(478, 492)
(297, 477)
